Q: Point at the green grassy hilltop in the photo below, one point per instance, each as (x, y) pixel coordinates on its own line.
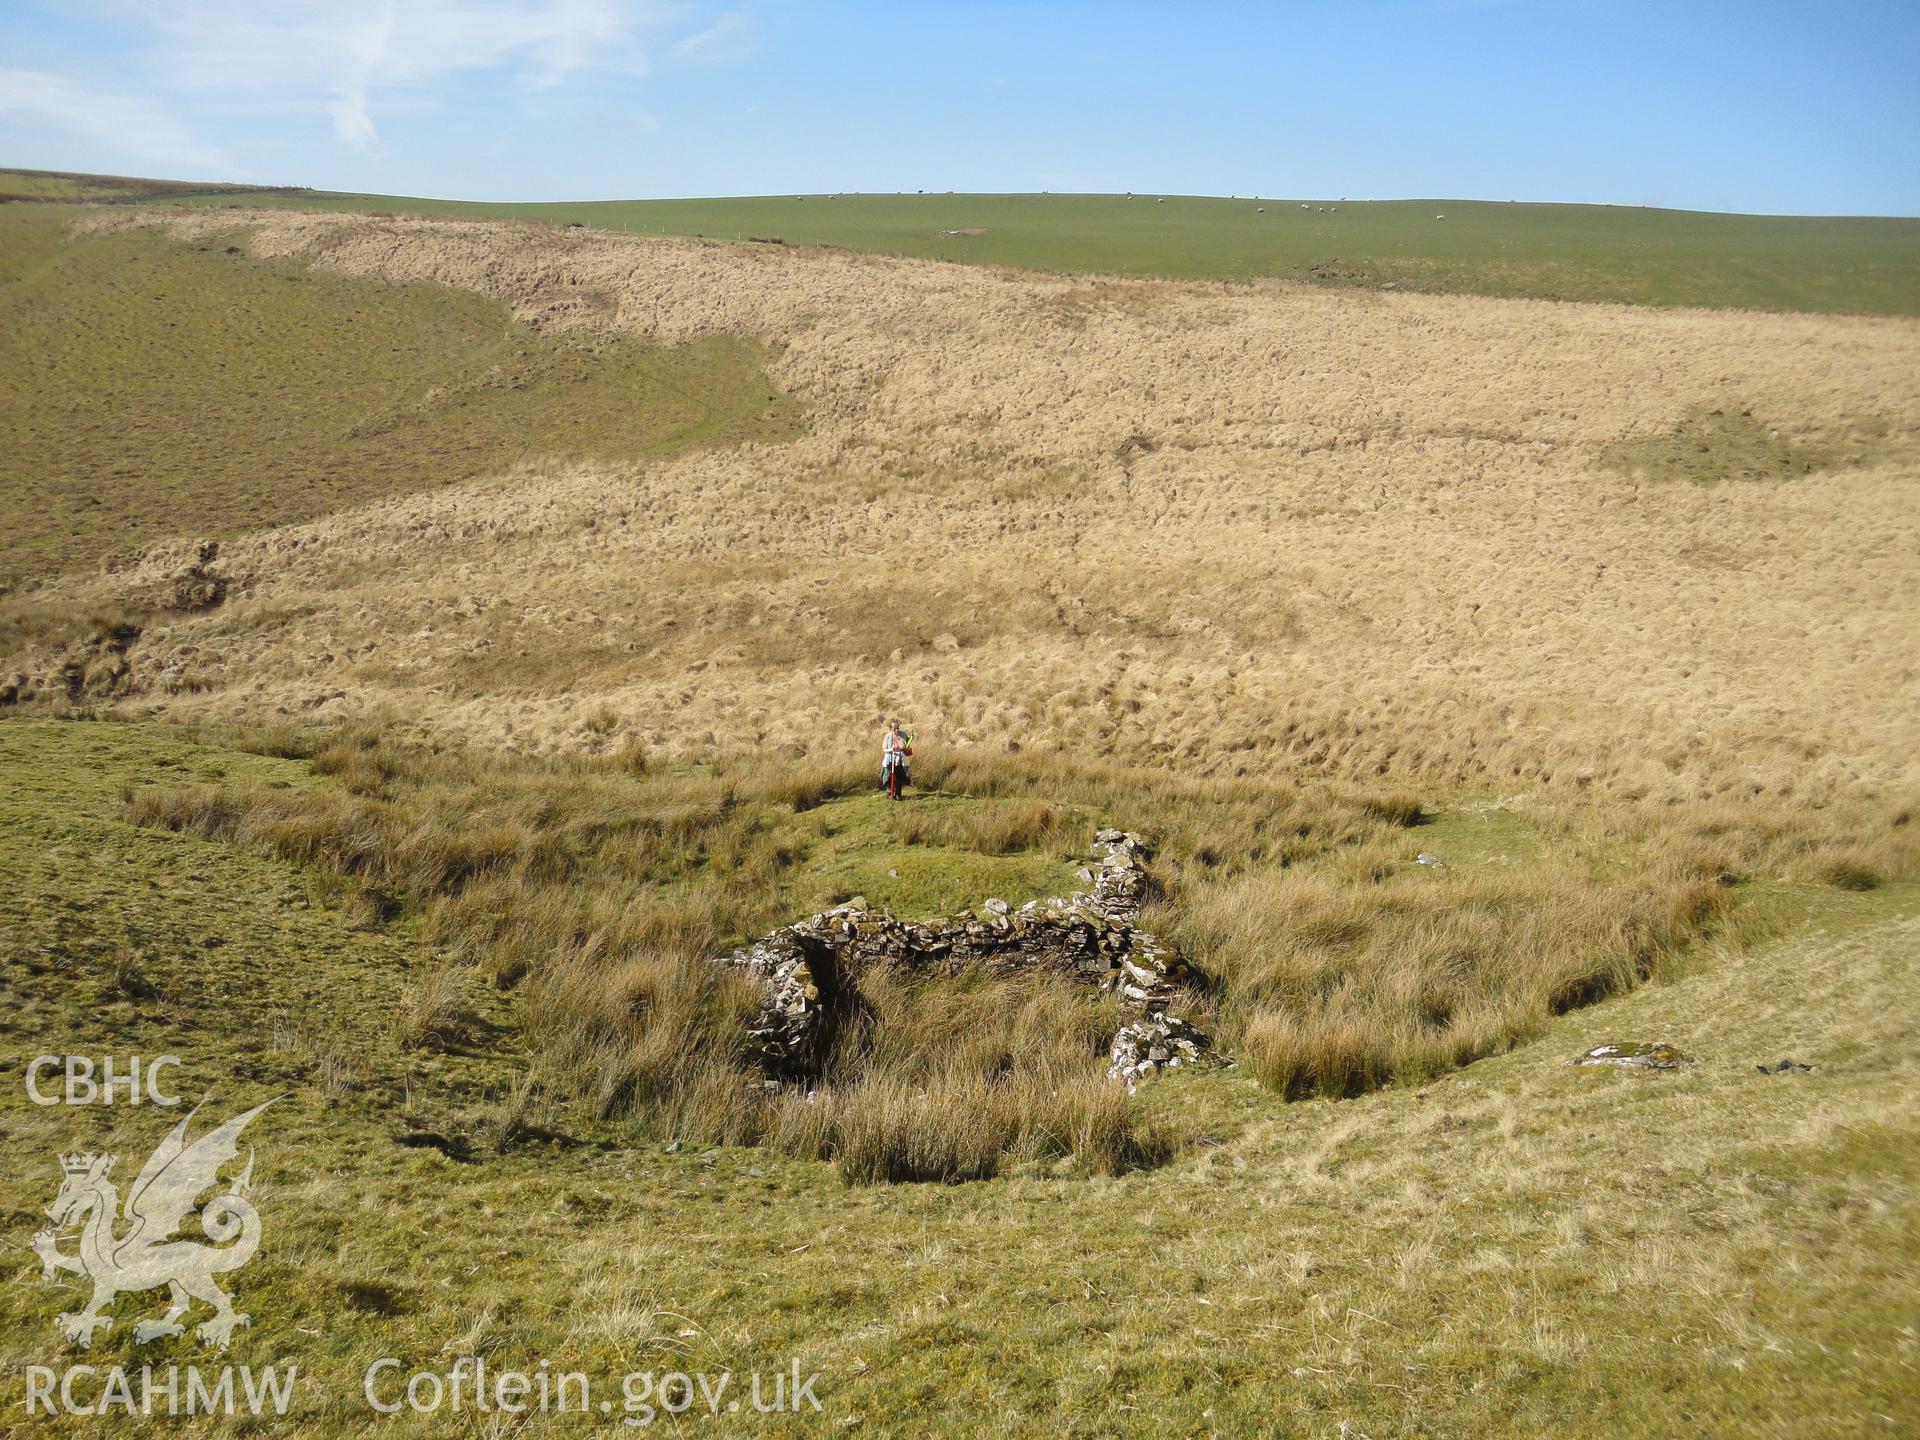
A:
(1634, 254)
(1563, 252)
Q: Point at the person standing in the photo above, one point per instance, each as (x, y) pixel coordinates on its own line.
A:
(896, 749)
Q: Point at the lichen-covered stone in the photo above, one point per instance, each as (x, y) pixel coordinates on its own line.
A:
(1639, 1055)
(1155, 1042)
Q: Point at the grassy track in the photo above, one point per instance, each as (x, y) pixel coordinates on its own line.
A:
(160, 388)
(1867, 265)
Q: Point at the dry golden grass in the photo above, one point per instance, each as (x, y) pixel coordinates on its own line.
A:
(1233, 530)
(602, 898)
(1338, 987)
(1145, 550)
(1517, 1249)
(1329, 960)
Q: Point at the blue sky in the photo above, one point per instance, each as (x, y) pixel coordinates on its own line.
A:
(1772, 107)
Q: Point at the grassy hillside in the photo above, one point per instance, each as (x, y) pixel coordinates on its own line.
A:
(1866, 265)
(159, 389)
(66, 185)
(1493, 679)
(1258, 533)
(1519, 1249)
(1570, 252)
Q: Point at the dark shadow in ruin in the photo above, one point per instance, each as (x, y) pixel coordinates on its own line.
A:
(808, 967)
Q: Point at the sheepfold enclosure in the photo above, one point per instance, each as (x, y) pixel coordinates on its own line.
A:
(1329, 957)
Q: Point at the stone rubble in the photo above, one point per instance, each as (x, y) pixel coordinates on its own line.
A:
(1090, 935)
(1159, 1041)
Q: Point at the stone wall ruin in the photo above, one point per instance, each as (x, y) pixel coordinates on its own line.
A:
(807, 967)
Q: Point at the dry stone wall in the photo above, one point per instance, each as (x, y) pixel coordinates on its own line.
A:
(808, 966)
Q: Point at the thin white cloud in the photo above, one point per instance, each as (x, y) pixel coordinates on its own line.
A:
(349, 61)
(732, 37)
(351, 57)
(122, 124)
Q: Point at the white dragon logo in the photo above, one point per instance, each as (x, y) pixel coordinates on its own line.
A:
(148, 1254)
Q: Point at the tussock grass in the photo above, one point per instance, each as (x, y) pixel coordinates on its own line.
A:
(1326, 959)
(954, 1079)
(1372, 539)
(1712, 443)
(25, 624)
(429, 1013)
(968, 1128)
(601, 898)
(1466, 605)
(1849, 873)
(1520, 1248)
(1339, 987)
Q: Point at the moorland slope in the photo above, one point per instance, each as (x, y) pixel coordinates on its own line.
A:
(1233, 529)
(1471, 664)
